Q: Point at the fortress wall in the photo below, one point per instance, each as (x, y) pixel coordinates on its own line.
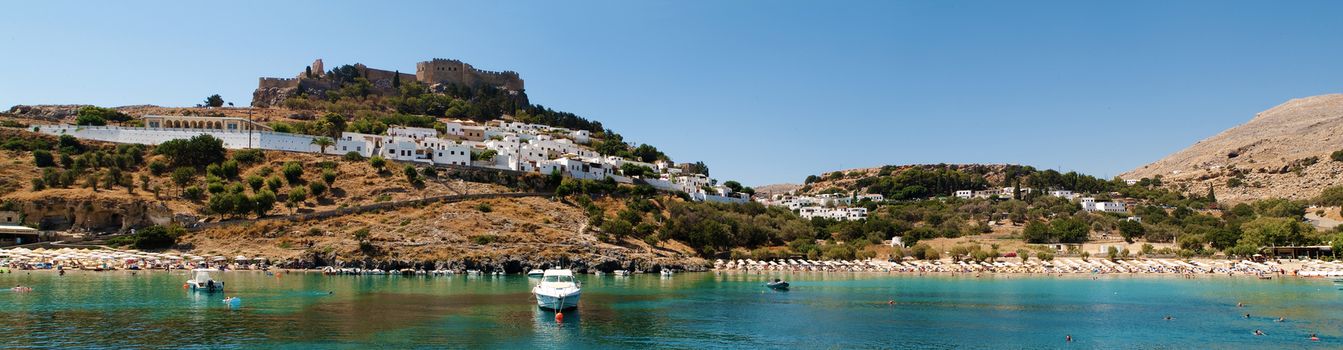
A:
(278, 83)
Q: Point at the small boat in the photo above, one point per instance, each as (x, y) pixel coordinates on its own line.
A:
(1262, 277)
(777, 284)
(202, 282)
(622, 273)
(536, 273)
(667, 273)
(558, 290)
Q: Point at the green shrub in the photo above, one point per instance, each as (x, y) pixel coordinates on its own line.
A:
(317, 189)
(329, 177)
(484, 239)
(255, 182)
(197, 151)
(42, 158)
(157, 167)
(377, 162)
(183, 176)
(193, 193)
(293, 172)
(249, 156)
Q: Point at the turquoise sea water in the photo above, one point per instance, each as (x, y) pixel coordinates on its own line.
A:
(690, 310)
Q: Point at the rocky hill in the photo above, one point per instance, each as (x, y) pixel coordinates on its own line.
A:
(860, 179)
(1281, 152)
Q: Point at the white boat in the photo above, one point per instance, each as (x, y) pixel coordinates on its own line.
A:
(204, 283)
(667, 273)
(558, 290)
(536, 273)
(622, 273)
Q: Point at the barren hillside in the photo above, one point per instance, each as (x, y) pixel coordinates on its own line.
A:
(491, 234)
(1282, 152)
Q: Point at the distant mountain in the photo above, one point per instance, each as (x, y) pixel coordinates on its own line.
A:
(1282, 152)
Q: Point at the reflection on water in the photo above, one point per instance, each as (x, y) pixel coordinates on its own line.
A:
(689, 310)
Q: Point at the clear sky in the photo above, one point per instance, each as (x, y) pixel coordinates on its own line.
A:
(762, 91)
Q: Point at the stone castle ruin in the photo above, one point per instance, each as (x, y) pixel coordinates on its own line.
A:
(273, 91)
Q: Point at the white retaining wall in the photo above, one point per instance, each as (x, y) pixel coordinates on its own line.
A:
(152, 136)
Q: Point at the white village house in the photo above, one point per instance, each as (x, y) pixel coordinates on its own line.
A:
(517, 146)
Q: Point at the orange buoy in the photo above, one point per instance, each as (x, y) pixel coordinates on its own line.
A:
(184, 286)
(559, 317)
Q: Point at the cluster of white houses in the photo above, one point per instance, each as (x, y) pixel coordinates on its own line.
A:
(1088, 203)
(514, 146)
(830, 206)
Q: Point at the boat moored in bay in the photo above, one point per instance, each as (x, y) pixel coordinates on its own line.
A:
(558, 290)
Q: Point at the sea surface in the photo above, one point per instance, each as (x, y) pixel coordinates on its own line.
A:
(688, 311)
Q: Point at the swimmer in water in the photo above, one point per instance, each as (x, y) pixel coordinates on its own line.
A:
(1168, 318)
(1068, 338)
(1258, 332)
(1240, 304)
(1247, 316)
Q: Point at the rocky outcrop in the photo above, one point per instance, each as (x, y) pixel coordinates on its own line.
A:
(270, 96)
(91, 212)
(53, 113)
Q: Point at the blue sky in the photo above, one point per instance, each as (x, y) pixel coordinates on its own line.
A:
(762, 91)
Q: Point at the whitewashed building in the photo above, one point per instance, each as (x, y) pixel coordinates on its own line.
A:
(1090, 204)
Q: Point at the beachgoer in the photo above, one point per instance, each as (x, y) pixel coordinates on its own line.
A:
(1068, 338)
(1282, 319)
(1247, 316)
(1240, 304)
(1168, 318)
(1313, 337)
(1258, 332)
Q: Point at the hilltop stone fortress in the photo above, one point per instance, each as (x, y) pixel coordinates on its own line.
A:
(273, 91)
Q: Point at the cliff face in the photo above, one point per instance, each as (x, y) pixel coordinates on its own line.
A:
(73, 208)
(1281, 152)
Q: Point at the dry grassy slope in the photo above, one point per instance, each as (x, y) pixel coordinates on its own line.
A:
(530, 230)
(1264, 146)
(356, 183)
